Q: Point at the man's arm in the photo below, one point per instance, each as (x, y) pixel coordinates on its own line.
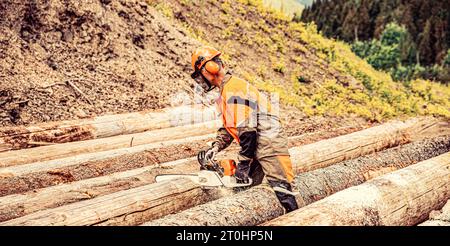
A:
(223, 139)
(248, 143)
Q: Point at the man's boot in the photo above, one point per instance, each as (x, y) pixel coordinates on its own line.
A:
(285, 195)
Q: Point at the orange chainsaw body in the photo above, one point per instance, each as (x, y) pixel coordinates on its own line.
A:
(229, 167)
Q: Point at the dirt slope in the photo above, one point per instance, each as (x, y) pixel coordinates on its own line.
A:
(253, 41)
(122, 54)
(134, 55)
(318, 76)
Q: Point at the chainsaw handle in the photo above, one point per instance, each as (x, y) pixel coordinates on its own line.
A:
(208, 164)
(201, 159)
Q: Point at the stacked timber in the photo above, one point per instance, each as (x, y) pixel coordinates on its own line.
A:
(346, 147)
(17, 205)
(13, 138)
(259, 204)
(28, 177)
(152, 201)
(404, 197)
(51, 152)
(306, 157)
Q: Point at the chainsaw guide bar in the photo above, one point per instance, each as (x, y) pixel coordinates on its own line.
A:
(205, 178)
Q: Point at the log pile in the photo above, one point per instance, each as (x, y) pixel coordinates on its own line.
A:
(259, 204)
(405, 156)
(18, 205)
(57, 151)
(12, 138)
(404, 197)
(27, 177)
(110, 180)
(307, 157)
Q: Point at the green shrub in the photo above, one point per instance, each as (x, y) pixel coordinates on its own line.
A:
(447, 58)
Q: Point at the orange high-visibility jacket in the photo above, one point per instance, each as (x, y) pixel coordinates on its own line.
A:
(250, 119)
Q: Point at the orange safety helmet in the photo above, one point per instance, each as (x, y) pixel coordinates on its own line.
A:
(202, 56)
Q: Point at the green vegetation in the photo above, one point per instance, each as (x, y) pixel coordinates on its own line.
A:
(418, 32)
(381, 97)
(287, 7)
(318, 75)
(164, 8)
(395, 53)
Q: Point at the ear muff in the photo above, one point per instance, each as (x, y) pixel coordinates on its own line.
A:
(212, 67)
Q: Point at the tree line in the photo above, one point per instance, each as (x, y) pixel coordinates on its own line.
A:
(417, 30)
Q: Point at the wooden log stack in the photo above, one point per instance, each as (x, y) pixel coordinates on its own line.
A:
(404, 197)
(249, 207)
(259, 204)
(13, 138)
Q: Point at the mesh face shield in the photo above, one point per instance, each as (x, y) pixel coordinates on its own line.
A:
(203, 82)
(199, 78)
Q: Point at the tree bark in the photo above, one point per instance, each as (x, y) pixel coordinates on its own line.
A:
(404, 197)
(57, 151)
(26, 177)
(23, 178)
(17, 205)
(371, 166)
(258, 205)
(439, 217)
(103, 126)
(327, 152)
(13, 138)
(250, 207)
(126, 207)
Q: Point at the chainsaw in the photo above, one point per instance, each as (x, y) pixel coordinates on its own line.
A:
(212, 174)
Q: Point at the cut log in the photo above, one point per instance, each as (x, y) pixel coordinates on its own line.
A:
(342, 148)
(18, 205)
(439, 217)
(404, 197)
(257, 202)
(258, 205)
(327, 152)
(57, 151)
(128, 206)
(12, 138)
(22, 178)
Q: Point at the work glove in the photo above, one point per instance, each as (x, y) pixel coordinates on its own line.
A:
(205, 156)
(211, 153)
(242, 172)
